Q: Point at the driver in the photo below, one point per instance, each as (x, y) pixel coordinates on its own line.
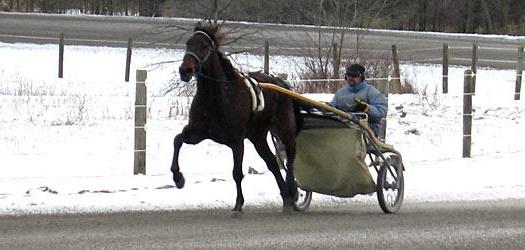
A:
(360, 96)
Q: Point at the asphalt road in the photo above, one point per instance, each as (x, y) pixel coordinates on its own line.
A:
(472, 225)
(498, 52)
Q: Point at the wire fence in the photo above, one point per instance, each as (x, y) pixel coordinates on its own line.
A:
(154, 105)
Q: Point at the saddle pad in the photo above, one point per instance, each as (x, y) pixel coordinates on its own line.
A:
(331, 161)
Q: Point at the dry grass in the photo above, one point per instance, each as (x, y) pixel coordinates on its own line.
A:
(377, 66)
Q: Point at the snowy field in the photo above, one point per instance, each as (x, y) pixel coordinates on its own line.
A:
(66, 145)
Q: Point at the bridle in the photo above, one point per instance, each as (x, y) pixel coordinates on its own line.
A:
(207, 56)
(201, 61)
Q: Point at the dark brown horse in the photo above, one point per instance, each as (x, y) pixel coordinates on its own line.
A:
(222, 111)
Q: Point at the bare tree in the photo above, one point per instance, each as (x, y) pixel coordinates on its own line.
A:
(326, 50)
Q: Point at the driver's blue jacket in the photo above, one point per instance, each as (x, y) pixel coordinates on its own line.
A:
(344, 99)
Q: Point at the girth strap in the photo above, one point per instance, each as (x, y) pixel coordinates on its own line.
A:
(255, 92)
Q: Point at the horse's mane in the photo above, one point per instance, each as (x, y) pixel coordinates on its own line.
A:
(213, 30)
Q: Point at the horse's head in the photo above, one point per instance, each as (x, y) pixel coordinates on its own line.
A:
(199, 48)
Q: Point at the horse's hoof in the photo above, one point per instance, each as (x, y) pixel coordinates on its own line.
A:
(178, 178)
(288, 209)
(236, 214)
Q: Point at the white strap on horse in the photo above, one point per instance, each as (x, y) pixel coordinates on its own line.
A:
(205, 34)
(257, 99)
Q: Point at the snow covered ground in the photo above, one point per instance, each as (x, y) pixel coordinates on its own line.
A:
(66, 145)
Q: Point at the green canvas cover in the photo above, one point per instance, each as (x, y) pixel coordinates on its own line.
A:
(330, 160)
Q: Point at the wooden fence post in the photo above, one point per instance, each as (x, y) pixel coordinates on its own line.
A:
(266, 57)
(61, 56)
(519, 73)
(139, 164)
(445, 68)
(337, 60)
(474, 66)
(396, 86)
(468, 91)
(128, 60)
(383, 87)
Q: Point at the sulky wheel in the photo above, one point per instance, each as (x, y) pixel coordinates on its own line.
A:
(390, 185)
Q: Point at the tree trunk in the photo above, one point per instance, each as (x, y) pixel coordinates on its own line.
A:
(145, 8)
(488, 17)
(152, 7)
(505, 7)
(422, 13)
(110, 7)
(436, 20)
(215, 10)
(467, 17)
(474, 10)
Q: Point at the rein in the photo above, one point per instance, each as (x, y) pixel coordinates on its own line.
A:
(198, 72)
(257, 97)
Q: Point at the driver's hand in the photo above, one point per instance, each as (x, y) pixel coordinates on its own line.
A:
(361, 106)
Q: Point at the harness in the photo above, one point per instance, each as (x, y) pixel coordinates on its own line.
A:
(255, 91)
(207, 56)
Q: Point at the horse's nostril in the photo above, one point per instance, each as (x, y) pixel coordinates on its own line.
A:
(185, 73)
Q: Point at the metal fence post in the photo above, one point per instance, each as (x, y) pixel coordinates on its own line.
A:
(474, 66)
(383, 87)
(468, 91)
(519, 73)
(139, 164)
(128, 60)
(445, 68)
(266, 57)
(61, 56)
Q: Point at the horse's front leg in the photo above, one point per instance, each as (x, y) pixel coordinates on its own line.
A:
(188, 136)
(238, 154)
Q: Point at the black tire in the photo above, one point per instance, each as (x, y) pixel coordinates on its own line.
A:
(390, 185)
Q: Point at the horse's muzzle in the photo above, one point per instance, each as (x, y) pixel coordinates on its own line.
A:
(185, 74)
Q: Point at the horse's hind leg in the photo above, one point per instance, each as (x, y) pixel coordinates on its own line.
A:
(286, 131)
(290, 178)
(187, 136)
(238, 154)
(262, 148)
